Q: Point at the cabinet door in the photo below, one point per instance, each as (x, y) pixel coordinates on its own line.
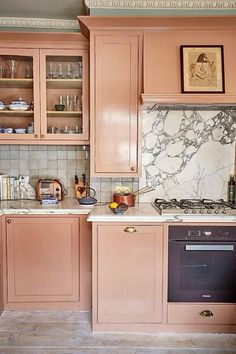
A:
(19, 81)
(114, 110)
(64, 95)
(42, 259)
(129, 274)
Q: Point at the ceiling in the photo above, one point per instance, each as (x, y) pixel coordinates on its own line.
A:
(54, 9)
(62, 14)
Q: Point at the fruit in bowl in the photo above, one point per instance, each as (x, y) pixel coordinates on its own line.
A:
(118, 208)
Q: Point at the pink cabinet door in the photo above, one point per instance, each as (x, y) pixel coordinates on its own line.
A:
(42, 259)
(129, 274)
(114, 105)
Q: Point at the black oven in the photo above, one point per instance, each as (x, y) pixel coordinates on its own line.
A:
(202, 263)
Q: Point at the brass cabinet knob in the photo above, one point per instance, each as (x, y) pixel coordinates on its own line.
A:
(206, 313)
(42, 136)
(8, 221)
(36, 136)
(132, 168)
(130, 229)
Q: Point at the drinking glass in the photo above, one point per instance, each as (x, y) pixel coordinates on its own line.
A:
(77, 70)
(68, 71)
(12, 68)
(60, 71)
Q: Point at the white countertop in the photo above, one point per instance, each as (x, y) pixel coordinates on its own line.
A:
(144, 212)
(67, 206)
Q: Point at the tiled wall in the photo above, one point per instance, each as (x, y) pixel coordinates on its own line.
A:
(38, 161)
(105, 187)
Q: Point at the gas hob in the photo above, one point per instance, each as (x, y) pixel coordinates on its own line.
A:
(194, 206)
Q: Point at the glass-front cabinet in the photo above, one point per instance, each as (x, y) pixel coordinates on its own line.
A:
(19, 94)
(44, 95)
(64, 91)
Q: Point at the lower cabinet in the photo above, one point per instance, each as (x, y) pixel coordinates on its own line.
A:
(205, 313)
(127, 274)
(45, 264)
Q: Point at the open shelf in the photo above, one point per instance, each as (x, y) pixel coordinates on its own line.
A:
(17, 83)
(64, 83)
(63, 113)
(16, 113)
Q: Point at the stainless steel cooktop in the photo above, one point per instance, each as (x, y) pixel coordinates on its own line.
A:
(194, 206)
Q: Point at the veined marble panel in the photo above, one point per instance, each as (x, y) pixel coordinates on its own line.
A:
(187, 154)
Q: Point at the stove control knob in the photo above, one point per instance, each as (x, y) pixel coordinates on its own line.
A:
(224, 211)
(216, 211)
(209, 211)
(201, 211)
(186, 211)
(194, 211)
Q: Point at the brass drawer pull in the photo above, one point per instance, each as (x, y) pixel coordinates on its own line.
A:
(8, 221)
(36, 136)
(42, 136)
(206, 313)
(130, 229)
(132, 168)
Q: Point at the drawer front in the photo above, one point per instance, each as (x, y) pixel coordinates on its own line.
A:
(202, 313)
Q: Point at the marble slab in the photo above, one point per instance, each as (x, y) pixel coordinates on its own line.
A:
(145, 212)
(187, 154)
(69, 206)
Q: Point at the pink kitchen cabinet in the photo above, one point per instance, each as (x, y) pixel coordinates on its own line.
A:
(127, 275)
(47, 262)
(115, 61)
(49, 68)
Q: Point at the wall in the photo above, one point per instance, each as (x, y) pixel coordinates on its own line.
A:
(185, 154)
(38, 161)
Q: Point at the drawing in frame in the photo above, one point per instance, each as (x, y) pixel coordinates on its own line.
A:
(202, 69)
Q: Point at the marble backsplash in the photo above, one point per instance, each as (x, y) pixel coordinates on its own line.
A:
(187, 154)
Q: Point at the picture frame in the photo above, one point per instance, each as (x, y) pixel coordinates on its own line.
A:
(202, 69)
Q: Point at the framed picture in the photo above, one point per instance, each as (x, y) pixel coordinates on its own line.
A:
(202, 69)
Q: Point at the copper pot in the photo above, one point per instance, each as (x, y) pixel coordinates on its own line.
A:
(127, 198)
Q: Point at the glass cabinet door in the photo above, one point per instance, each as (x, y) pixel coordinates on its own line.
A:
(19, 94)
(64, 95)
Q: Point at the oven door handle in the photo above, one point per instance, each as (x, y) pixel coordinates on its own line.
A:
(209, 247)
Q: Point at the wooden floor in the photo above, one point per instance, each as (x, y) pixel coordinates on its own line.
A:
(69, 332)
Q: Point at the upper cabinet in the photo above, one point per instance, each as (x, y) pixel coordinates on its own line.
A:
(114, 104)
(44, 92)
(162, 58)
(115, 90)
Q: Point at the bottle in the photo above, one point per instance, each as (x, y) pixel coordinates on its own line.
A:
(231, 189)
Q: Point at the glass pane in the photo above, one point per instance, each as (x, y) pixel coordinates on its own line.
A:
(64, 77)
(16, 94)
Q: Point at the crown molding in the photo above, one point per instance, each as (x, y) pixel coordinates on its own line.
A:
(42, 23)
(162, 5)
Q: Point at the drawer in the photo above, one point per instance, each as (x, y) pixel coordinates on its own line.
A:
(201, 313)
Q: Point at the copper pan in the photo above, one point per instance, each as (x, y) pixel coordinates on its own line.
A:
(127, 198)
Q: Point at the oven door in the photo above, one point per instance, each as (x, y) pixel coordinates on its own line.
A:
(202, 271)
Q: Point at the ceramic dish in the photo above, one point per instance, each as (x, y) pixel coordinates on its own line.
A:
(2, 105)
(19, 131)
(16, 107)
